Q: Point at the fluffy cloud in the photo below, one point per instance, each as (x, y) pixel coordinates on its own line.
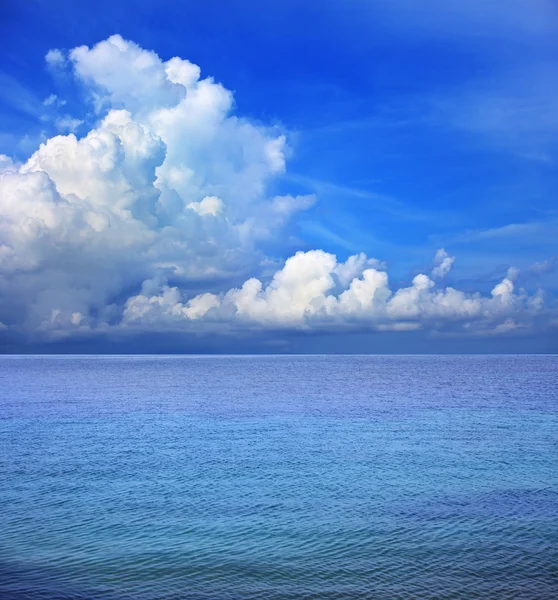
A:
(169, 193)
(313, 291)
(169, 184)
(55, 59)
(442, 263)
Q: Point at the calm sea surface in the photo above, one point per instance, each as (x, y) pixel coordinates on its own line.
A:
(319, 477)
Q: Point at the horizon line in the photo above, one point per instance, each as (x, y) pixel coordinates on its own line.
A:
(275, 354)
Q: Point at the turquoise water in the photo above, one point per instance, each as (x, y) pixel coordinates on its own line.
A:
(278, 477)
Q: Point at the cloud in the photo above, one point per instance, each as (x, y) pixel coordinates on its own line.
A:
(170, 194)
(313, 291)
(543, 267)
(53, 100)
(64, 123)
(168, 185)
(210, 205)
(55, 59)
(18, 97)
(121, 74)
(67, 123)
(442, 263)
(514, 110)
(479, 18)
(521, 234)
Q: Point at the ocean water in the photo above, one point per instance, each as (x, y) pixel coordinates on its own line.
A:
(246, 477)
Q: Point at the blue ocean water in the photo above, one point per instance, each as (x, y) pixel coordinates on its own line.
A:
(258, 477)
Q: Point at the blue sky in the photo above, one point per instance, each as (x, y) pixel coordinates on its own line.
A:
(414, 130)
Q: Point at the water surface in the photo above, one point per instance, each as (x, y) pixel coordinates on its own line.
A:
(318, 477)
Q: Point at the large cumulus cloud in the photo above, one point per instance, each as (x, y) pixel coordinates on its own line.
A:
(169, 193)
(169, 184)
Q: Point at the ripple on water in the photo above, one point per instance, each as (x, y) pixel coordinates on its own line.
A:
(278, 478)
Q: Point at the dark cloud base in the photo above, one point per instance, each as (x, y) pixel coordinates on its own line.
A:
(288, 343)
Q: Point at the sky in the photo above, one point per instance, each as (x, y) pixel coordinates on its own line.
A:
(268, 177)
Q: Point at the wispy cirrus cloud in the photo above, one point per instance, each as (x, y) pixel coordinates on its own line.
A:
(540, 232)
(19, 97)
(516, 111)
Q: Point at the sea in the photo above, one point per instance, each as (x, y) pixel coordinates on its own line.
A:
(278, 477)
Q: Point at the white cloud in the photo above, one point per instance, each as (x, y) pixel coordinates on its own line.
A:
(168, 184)
(312, 291)
(55, 58)
(67, 123)
(50, 100)
(544, 266)
(123, 75)
(7, 165)
(210, 205)
(513, 273)
(169, 192)
(442, 263)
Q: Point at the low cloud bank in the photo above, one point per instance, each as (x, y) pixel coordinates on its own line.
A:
(315, 291)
